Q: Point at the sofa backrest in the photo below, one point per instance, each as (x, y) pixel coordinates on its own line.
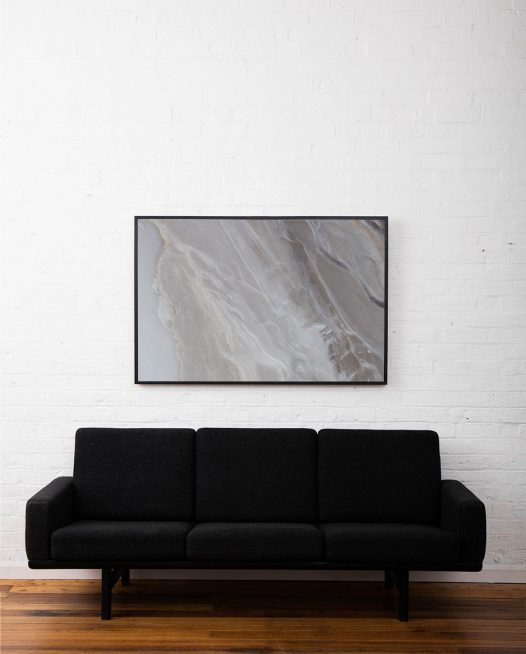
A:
(281, 475)
(379, 476)
(134, 474)
(256, 475)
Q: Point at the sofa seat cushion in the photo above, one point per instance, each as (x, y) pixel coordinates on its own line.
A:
(254, 541)
(391, 543)
(110, 540)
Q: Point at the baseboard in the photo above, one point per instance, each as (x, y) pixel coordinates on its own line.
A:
(508, 575)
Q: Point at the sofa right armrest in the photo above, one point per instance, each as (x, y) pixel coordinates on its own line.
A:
(465, 515)
(47, 510)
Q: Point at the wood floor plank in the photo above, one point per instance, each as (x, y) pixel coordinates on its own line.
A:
(57, 616)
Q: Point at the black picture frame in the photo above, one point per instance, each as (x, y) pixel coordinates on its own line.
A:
(382, 382)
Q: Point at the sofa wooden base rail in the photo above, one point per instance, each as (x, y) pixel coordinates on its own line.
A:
(111, 574)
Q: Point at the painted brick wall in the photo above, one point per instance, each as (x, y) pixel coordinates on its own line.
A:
(413, 109)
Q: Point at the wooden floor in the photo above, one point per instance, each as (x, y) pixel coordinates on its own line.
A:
(256, 617)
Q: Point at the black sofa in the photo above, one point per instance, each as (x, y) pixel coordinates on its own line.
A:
(256, 498)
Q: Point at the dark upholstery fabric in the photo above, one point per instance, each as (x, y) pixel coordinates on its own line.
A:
(109, 540)
(465, 515)
(379, 476)
(47, 510)
(391, 543)
(256, 475)
(254, 541)
(134, 474)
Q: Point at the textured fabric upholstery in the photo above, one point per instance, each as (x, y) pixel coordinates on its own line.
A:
(134, 474)
(257, 495)
(254, 541)
(465, 515)
(379, 476)
(390, 543)
(109, 540)
(47, 510)
(256, 475)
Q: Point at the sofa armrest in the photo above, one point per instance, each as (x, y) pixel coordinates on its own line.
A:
(47, 510)
(465, 515)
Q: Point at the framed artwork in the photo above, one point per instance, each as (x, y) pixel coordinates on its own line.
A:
(258, 300)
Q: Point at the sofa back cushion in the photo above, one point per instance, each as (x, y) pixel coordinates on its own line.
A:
(256, 475)
(134, 474)
(379, 476)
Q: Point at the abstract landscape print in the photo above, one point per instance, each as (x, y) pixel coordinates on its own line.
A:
(260, 300)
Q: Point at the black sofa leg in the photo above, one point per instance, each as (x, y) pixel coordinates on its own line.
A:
(109, 577)
(105, 595)
(388, 580)
(125, 577)
(402, 578)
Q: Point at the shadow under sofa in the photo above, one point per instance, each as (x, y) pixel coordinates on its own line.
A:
(220, 498)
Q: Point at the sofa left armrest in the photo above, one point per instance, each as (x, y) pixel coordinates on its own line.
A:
(47, 510)
(465, 515)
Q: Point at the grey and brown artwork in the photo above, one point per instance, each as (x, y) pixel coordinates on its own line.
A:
(260, 300)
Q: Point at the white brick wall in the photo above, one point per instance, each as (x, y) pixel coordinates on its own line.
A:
(408, 108)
